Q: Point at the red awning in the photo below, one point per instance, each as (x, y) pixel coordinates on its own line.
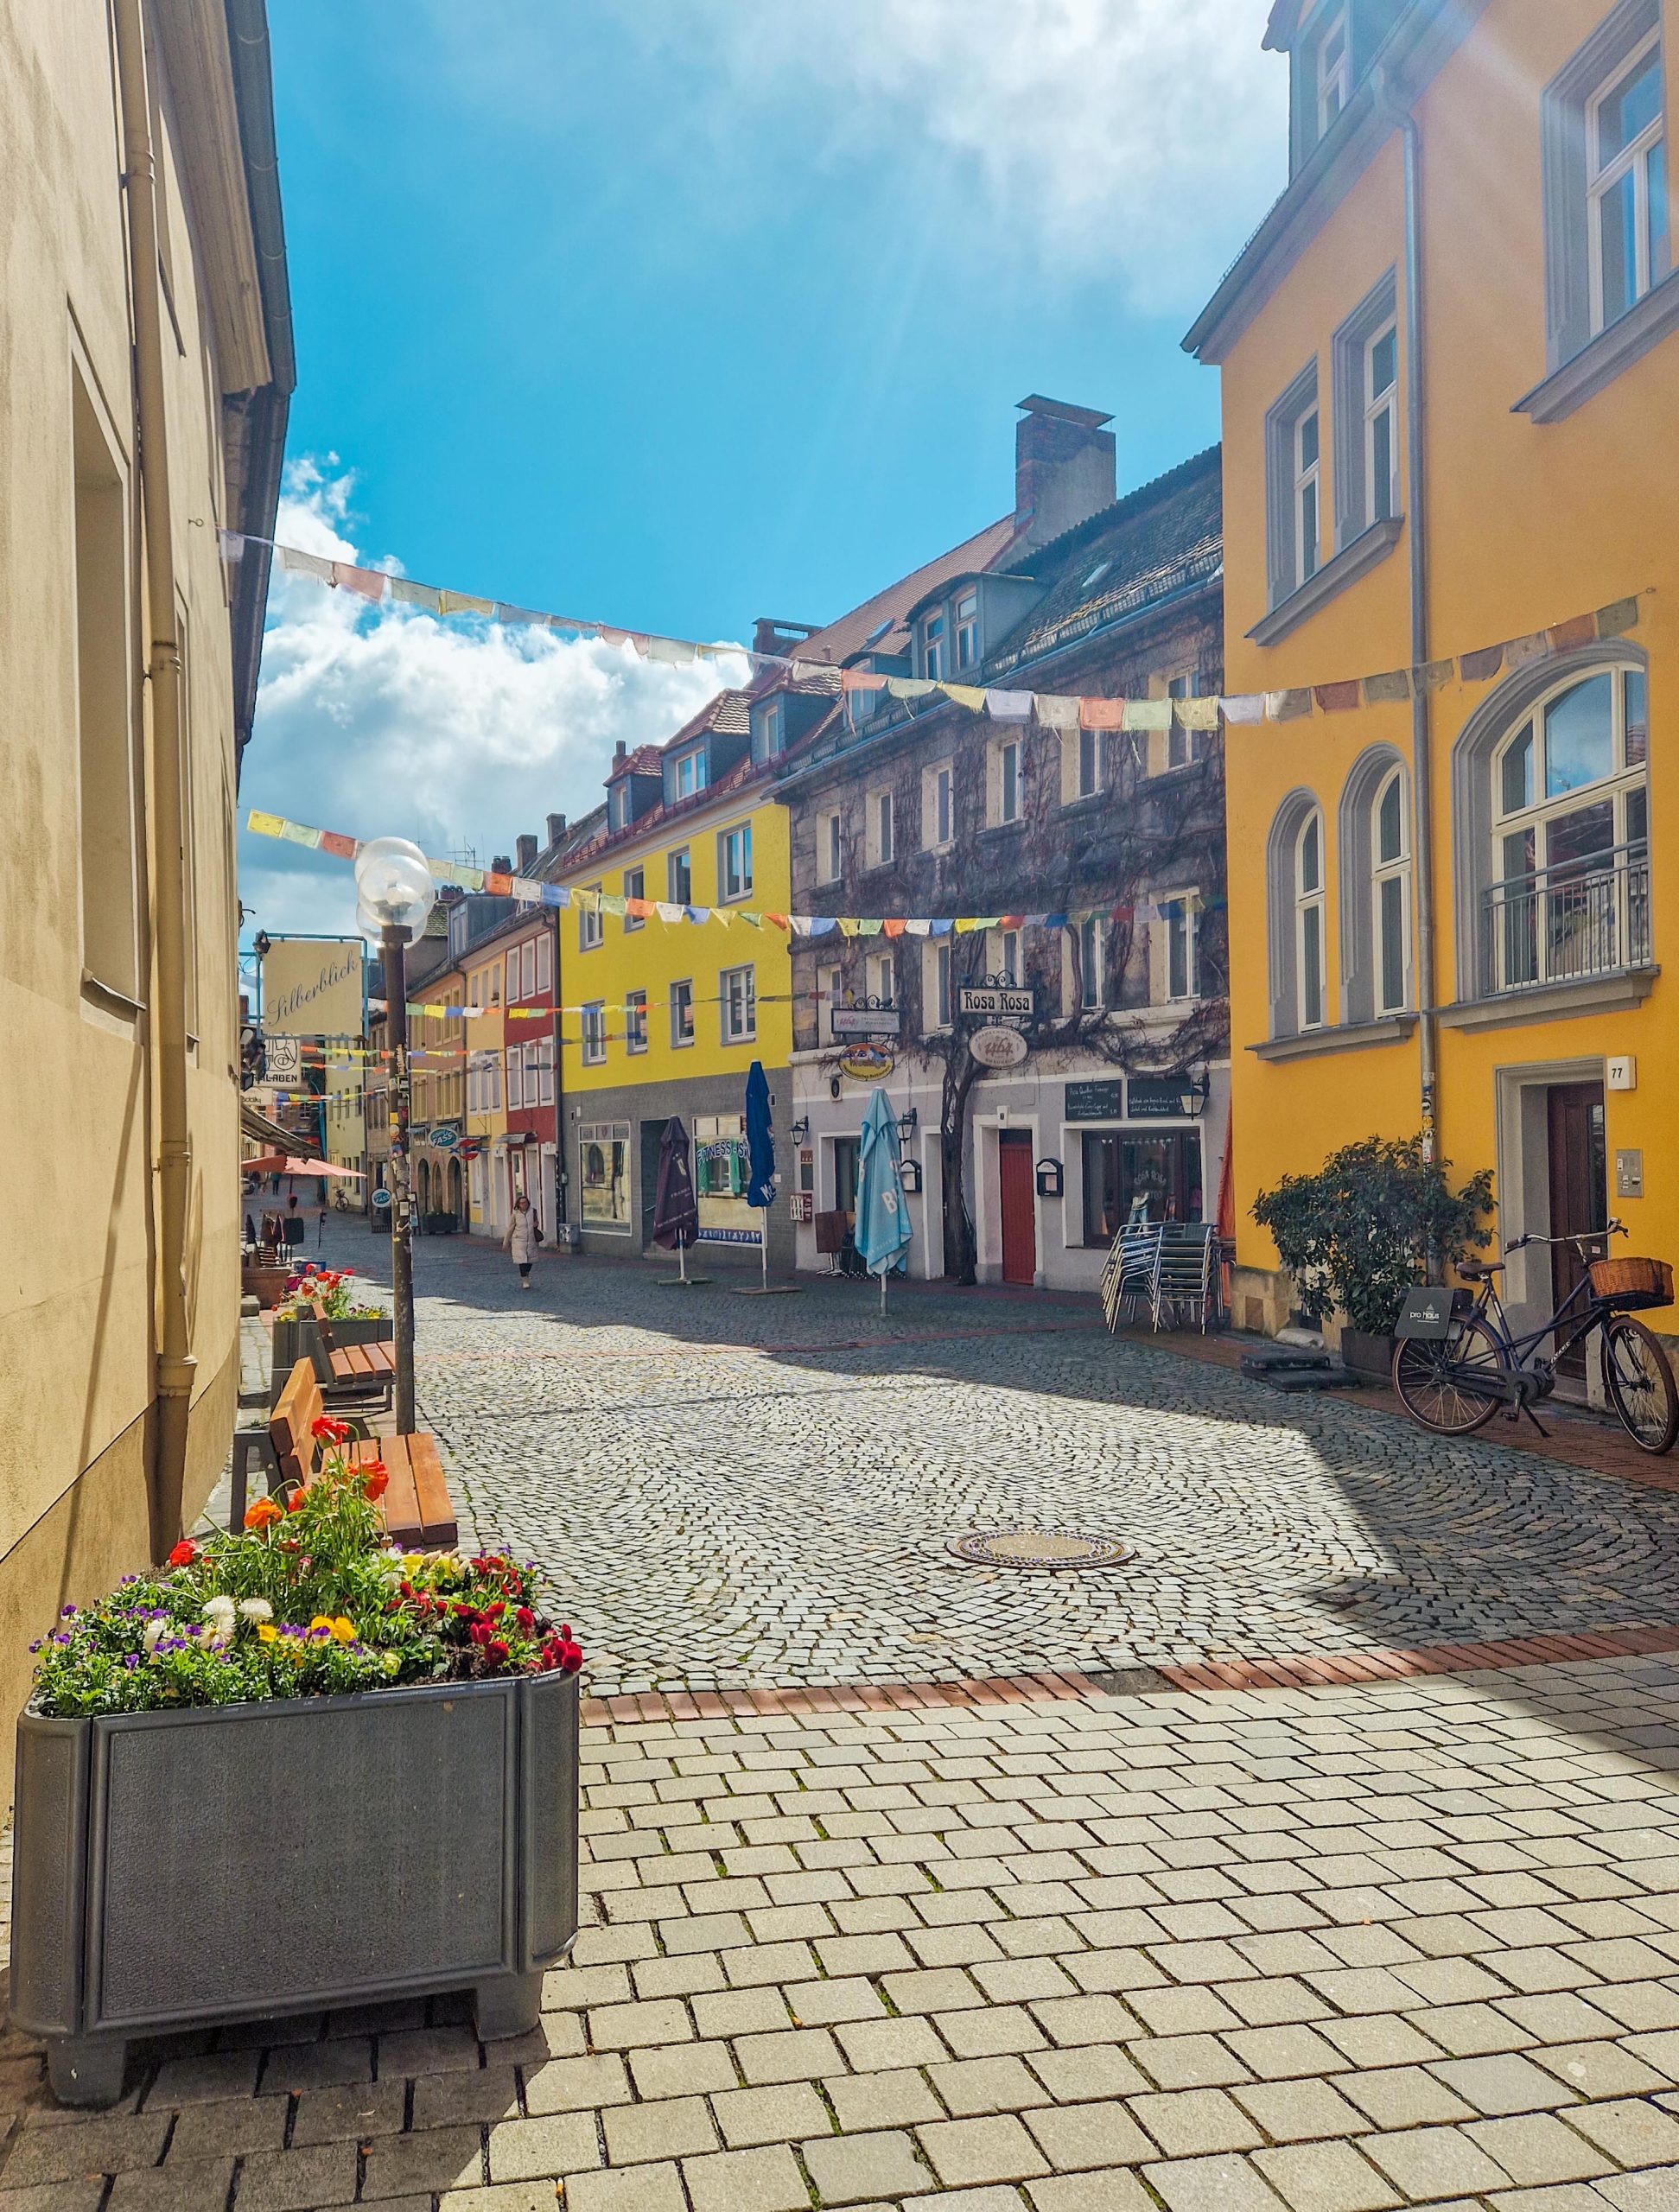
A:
(280, 1163)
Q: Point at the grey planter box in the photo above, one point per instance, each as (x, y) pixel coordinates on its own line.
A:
(296, 1340)
(232, 1862)
(1367, 1355)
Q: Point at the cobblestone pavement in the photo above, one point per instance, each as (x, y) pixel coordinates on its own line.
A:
(1332, 1951)
(727, 1491)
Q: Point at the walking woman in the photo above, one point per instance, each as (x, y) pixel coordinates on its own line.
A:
(522, 1235)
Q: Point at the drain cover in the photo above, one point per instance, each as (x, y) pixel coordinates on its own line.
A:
(1044, 1549)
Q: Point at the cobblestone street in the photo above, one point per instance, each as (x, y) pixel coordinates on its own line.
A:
(999, 1945)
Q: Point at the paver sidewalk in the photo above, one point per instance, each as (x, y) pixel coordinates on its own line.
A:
(1292, 1951)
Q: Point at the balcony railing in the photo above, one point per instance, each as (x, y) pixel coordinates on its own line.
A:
(1563, 925)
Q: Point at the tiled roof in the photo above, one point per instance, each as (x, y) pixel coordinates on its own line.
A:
(661, 817)
(645, 760)
(855, 632)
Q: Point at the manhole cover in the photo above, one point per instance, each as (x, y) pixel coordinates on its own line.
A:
(1045, 1550)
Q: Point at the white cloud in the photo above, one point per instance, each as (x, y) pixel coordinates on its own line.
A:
(1133, 142)
(459, 734)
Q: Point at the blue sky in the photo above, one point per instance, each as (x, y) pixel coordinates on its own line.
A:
(673, 312)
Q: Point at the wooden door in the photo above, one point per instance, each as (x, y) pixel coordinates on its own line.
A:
(1020, 1225)
(1579, 1185)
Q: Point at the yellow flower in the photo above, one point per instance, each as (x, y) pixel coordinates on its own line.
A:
(321, 1620)
(267, 1633)
(344, 1630)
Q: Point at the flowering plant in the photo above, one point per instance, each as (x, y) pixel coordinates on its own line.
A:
(317, 1294)
(310, 1601)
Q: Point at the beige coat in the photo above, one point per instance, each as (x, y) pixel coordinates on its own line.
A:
(520, 1234)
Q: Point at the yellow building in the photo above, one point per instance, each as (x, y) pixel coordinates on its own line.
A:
(673, 1011)
(1449, 369)
(148, 359)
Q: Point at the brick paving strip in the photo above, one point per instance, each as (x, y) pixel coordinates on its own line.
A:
(1404, 1943)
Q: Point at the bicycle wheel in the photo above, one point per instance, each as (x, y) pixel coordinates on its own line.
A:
(1640, 1383)
(1436, 1377)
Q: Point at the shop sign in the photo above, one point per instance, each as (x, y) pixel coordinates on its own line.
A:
(728, 1236)
(1154, 1097)
(313, 987)
(283, 1058)
(996, 1047)
(802, 1206)
(445, 1139)
(867, 1063)
(864, 1020)
(1096, 1102)
(997, 1002)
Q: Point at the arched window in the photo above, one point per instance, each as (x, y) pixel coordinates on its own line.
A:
(1297, 876)
(1376, 888)
(1390, 879)
(1308, 922)
(1567, 873)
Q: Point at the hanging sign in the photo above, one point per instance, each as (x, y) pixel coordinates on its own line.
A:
(445, 1139)
(997, 1002)
(282, 1059)
(312, 987)
(867, 1063)
(864, 1020)
(995, 1046)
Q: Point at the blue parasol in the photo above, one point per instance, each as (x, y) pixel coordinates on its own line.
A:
(882, 1232)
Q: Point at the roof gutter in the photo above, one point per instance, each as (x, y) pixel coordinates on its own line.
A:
(266, 411)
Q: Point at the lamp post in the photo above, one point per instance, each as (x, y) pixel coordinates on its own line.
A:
(394, 889)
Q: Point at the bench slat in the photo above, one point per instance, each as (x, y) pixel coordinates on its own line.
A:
(400, 1505)
(436, 1506)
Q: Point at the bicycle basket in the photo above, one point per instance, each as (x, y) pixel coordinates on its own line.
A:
(1632, 1283)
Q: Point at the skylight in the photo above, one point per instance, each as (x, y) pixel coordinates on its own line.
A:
(1096, 574)
(878, 632)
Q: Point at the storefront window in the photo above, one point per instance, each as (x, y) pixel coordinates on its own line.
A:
(1153, 1178)
(720, 1174)
(606, 1164)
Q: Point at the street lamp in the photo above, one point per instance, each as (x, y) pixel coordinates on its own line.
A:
(394, 895)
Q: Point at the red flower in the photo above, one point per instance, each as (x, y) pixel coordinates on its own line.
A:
(183, 1554)
(526, 1619)
(496, 1652)
(294, 1498)
(374, 1480)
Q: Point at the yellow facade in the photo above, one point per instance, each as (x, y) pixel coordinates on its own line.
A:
(1529, 522)
(606, 960)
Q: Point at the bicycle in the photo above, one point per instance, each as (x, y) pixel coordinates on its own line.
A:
(1454, 1381)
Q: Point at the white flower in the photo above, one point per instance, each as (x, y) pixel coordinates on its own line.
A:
(255, 1609)
(220, 1610)
(151, 1632)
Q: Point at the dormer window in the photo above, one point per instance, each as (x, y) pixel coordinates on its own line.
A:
(773, 726)
(934, 646)
(691, 774)
(1332, 70)
(618, 806)
(966, 613)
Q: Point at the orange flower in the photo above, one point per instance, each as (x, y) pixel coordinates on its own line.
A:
(262, 1513)
(374, 1479)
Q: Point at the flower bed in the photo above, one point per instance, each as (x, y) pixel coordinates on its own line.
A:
(308, 1602)
(317, 1293)
(385, 1748)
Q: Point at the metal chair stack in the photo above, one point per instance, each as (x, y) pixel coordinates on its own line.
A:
(1129, 1275)
(1183, 1276)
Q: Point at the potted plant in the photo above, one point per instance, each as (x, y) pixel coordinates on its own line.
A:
(290, 1769)
(1377, 1219)
(314, 1295)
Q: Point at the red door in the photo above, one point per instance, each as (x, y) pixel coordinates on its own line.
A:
(1020, 1226)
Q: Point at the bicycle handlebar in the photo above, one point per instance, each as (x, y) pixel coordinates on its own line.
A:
(1611, 1228)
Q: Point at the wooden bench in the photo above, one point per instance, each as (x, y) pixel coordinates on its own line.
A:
(419, 1514)
(358, 1371)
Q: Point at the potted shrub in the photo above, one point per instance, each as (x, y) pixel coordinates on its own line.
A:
(290, 1769)
(1376, 1220)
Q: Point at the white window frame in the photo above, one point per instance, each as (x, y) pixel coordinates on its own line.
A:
(939, 998)
(591, 925)
(965, 629)
(1603, 178)
(544, 965)
(545, 1071)
(1178, 933)
(682, 984)
(1306, 484)
(533, 1076)
(938, 800)
(830, 847)
(1011, 763)
(1310, 920)
(635, 1022)
(1183, 745)
(515, 1059)
(1087, 767)
(638, 876)
(1005, 952)
(830, 986)
(881, 841)
(881, 976)
(734, 863)
(689, 777)
(1392, 995)
(679, 857)
(594, 1033)
(1381, 492)
(527, 969)
(737, 992)
(1331, 81)
(935, 644)
(1091, 953)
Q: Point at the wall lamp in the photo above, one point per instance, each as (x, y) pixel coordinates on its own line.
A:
(800, 1131)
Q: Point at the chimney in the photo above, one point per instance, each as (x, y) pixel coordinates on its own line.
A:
(501, 865)
(769, 636)
(556, 828)
(527, 854)
(1063, 467)
(618, 754)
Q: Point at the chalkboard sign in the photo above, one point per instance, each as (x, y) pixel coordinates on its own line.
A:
(1096, 1102)
(1152, 1096)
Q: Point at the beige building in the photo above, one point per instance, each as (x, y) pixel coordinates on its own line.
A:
(147, 361)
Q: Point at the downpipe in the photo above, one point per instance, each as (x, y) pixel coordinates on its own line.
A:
(175, 1367)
